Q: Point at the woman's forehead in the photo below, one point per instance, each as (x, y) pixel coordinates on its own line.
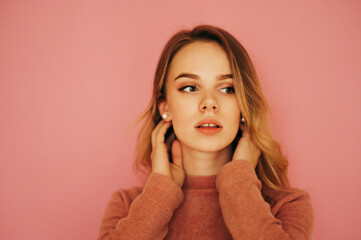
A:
(200, 58)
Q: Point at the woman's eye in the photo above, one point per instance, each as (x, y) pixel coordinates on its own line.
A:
(188, 88)
(228, 90)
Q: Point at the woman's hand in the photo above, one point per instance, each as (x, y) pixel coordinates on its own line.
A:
(159, 156)
(246, 149)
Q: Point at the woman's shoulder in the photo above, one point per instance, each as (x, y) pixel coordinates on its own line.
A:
(290, 192)
(155, 184)
(294, 197)
(126, 195)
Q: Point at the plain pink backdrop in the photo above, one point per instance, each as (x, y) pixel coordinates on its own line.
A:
(75, 74)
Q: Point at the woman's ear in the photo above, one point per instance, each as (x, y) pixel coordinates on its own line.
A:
(163, 110)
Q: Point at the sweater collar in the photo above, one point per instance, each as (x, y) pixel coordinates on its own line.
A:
(199, 182)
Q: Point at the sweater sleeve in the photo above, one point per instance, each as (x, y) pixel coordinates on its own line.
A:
(148, 215)
(248, 216)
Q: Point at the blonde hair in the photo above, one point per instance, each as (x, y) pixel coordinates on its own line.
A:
(272, 166)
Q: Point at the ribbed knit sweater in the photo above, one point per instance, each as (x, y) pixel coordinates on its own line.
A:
(224, 206)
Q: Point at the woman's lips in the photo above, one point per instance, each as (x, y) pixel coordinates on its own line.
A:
(208, 130)
(208, 126)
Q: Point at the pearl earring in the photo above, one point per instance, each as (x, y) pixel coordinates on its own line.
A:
(242, 119)
(164, 115)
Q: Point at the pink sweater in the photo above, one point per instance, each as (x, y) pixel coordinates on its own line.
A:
(224, 206)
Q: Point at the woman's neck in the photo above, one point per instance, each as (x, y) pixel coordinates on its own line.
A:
(205, 163)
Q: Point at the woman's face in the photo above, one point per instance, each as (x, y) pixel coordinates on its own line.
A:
(197, 89)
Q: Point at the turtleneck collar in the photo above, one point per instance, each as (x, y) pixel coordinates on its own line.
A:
(199, 182)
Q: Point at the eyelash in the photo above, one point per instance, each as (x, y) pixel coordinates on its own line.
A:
(193, 86)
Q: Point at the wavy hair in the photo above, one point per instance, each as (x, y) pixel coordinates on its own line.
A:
(272, 165)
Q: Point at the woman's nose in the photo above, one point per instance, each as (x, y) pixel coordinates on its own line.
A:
(209, 103)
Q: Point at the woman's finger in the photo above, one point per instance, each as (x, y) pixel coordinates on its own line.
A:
(158, 127)
(245, 132)
(159, 155)
(169, 140)
(155, 134)
(242, 127)
(163, 129)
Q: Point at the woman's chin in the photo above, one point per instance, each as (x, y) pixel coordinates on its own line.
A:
(206, 146)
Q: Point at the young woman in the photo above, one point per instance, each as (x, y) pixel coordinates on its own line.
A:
(215, 172)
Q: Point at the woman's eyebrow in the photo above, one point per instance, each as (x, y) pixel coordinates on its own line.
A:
(196, 77)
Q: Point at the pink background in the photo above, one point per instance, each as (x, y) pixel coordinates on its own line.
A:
(75, 74)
